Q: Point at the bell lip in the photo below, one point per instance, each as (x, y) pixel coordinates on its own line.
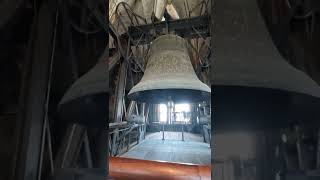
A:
(158, 96)
(203, 88)
(146, 85)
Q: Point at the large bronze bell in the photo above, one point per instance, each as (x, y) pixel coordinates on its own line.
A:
(169, 75)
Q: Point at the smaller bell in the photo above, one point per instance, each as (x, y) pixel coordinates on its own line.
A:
(169, 74)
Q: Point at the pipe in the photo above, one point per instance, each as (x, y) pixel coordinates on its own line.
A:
(135, 169)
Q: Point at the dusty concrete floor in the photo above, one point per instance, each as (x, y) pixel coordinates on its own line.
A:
(172, 149)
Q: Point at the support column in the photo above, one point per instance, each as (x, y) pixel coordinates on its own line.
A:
(32, 114)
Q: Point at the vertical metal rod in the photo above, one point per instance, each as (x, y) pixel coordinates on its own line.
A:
(42, 147)
(299, 151)
(124, 107)
(144, 130)
(48, 95)
(137, 109)
(68, 145)
(284, 153)
(204, 133)
(87, 150)
(300, 160)
(110, 145)
(162, 131)
(114, 141)
(138, 134)
(147, 114)
(168, 113)
(146, 120)
(142, 109)
(182, 131)
(50, 148)
(173, 113)
(128, 144)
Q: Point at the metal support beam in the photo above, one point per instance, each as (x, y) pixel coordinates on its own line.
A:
(118, 110)
(130, 109)
(70, 147)
(186, 28)
(120, 92)
(146, 120)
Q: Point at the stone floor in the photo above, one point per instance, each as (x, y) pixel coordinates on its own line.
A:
(172, 149)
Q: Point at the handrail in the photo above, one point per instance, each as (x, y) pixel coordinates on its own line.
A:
(134, 169)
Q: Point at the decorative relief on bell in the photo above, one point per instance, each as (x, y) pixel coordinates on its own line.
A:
(170, 62)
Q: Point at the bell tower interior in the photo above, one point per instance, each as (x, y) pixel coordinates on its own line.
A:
(167, 98)
(159, 89)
